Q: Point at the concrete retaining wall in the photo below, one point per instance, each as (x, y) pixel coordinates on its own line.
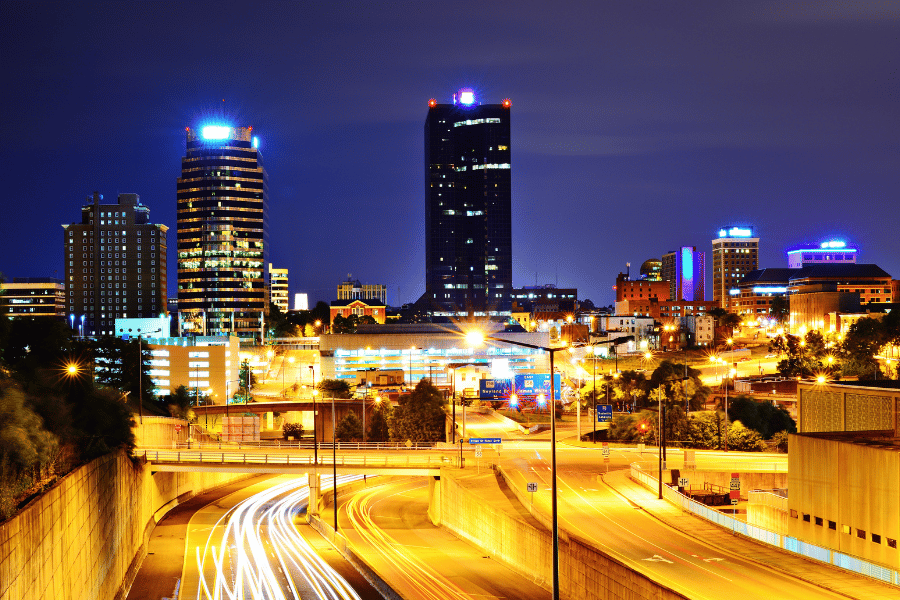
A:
(585, 572)
(86, 537)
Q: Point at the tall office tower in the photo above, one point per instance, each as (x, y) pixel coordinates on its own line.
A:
(735, 253)
(830, 251)
(685, 270)
(223, 239)
(468, 233)
(115, 265)
(278, 288)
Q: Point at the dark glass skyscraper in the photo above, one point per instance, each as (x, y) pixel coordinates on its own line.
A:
(222, 233)
(468, 229)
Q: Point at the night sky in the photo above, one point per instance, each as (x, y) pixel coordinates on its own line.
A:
(637, 127)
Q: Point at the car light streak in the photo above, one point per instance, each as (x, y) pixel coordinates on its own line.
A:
(255, 551)
(427, 582)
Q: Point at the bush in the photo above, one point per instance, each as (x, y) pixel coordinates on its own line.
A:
(294, 430)
(780, 441)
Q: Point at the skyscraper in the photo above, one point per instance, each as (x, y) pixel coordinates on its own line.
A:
(468, 232)
(115, 265)
(685, 270)
(222, 233)
(735, 253)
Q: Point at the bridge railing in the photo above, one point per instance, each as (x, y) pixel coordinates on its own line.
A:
(751, 465)
(265, 445)
(765, 536)
(256, 458)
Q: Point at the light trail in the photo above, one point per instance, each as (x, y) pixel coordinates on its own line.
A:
(428, 582)
(255, 551)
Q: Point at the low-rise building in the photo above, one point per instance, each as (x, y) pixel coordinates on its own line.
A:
(33, 297)
(207, 366)
(361, 308)
(844, 469)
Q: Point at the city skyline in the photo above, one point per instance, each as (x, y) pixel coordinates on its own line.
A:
(636, 131)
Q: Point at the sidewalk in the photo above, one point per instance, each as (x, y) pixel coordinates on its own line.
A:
(816, 573)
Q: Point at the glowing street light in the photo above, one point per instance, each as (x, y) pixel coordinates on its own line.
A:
(476, 338)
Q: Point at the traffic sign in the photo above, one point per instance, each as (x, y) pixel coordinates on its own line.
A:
(683, 482)
(474, 441)
(734, 501)
(478, 452)
(178, 429)
(735, 481)
(531, 486)
(604, 413)
(605, 450)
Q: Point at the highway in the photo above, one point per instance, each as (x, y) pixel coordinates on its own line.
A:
(248, 546)
(388, 525)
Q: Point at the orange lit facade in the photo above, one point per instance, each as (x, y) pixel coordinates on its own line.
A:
(360, 308)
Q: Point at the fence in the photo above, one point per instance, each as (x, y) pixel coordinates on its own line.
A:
(765, 536)
(212, 456)
(768, 498)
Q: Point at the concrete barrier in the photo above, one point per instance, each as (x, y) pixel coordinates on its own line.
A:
(585, 571)
(86, 537)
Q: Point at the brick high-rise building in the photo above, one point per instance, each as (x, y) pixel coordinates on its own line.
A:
(735, 253)
(115, 265)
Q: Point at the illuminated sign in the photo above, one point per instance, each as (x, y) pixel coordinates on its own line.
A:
(467, 96)
(736, 232)
(215, 132)
(255, 142)
(734, 292)
(769, 290)
(834, 244)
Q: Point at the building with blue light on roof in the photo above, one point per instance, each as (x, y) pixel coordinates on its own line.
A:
(830, 251)
(222, 233)
(735, 253)
(468, 219)
(685, 270)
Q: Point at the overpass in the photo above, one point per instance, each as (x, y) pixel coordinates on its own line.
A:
(288, 461)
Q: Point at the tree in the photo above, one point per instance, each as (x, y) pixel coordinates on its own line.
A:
(378, 422)
(862, 343)
(349, 429)
(780, 308)
(179, 404)
(743, 439)
(679, 383)
(24, 442)
(334, 388)
(294, 430)
(629, 387)
(763, 417)
(245, 376)
(117, 364)
(420, 415)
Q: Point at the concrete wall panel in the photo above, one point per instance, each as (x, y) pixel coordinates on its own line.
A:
(86, 536)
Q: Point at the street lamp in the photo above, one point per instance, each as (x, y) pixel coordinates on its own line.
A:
(476, 338)
(315, 393)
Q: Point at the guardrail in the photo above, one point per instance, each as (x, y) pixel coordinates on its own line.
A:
(826, 555)
(285, 445)
(256, 458)
(712, 464)
(768, 498)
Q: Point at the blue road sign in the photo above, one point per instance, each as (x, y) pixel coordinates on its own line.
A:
(604, 413)
(492, 389)
(485, 440)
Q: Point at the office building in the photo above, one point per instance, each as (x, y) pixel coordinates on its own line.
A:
(753, 295)
(468, 232)
(735, 253)
(830, 251)
(222, 233)
(33, 297)
(685, 271)
(278, 288)
(354, 290)
(115, 265)
(651, 269)
(208, 367)
(640, 289)
(301, 301)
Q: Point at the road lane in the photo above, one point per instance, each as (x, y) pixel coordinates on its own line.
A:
(388, 525)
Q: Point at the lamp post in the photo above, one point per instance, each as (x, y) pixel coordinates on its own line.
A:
(315, 393)
(731, 372)
(334, 461)
(476, 338)
(453, 400)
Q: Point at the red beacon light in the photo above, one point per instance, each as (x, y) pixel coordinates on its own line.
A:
(507, 103)
(432, 103)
